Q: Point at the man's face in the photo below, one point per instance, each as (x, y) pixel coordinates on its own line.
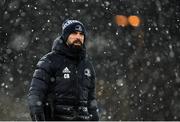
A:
(76, 38)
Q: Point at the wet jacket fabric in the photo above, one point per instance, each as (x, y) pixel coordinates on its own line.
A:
(63, 86)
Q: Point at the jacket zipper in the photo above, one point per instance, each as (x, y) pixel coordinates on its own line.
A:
(76, 84)
(76, 91)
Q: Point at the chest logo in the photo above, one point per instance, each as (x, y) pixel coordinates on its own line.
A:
(66, 73)
(87, 72)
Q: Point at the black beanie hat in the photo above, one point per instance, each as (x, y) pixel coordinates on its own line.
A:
(70, 26)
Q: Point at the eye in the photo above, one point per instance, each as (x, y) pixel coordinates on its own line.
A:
(74, 32)
(81, 33)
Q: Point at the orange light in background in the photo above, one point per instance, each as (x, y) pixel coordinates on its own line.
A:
(134, 20)
(121, 20)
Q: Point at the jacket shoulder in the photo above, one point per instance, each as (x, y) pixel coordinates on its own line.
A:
(47, 62)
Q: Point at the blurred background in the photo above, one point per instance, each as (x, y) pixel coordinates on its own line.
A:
(137, 65)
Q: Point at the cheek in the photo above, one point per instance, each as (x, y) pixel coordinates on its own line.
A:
(82, 39)
(71, 39)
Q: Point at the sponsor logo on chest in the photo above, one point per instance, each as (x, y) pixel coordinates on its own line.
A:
(66, 73)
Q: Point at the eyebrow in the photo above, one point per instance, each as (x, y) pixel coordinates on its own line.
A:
(77, 32)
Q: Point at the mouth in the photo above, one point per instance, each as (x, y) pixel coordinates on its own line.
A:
(77, 43)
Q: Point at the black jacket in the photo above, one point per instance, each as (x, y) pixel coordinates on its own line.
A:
(63, 86)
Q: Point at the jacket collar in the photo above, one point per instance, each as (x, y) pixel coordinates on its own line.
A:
(60, 47)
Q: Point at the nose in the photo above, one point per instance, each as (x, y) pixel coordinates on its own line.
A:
(78, 35)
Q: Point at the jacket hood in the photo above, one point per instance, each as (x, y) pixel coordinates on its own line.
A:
(59, 46)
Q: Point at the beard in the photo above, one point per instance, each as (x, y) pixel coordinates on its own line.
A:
(76, 46)
(77, 43)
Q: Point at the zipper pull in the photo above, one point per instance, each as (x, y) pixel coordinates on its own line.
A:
(76, 72)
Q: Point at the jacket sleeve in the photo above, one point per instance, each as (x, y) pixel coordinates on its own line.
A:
(92, 103)
(38, 89)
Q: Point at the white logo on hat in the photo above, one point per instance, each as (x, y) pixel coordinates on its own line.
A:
(78, 28)
(69, 22)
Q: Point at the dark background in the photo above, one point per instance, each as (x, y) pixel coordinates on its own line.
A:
(138, 70)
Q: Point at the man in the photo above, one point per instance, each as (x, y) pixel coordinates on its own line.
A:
(63, 84)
